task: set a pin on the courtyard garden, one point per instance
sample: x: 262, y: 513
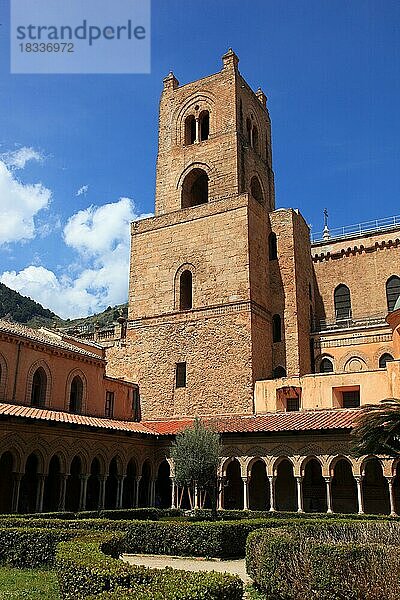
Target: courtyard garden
x: 76, y: 556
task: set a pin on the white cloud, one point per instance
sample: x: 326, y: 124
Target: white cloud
x: 82, y: 190
x: 17, y: 159
x: 19, y: 202
x: 101, y: 238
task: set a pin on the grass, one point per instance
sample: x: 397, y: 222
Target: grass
x: 28, y: 584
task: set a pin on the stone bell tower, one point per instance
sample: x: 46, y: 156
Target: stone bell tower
x: 199, y: 325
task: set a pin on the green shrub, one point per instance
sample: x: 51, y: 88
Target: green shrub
x: 84, y: 570
x: 139, y: 514
x: 29, y: 548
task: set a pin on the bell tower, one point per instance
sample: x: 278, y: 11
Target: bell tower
x: 200, y: 326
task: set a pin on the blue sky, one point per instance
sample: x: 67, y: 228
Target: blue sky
x: 330, y: 70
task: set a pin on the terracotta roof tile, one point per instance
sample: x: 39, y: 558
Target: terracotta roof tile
x: 315, y: 420
x: 30, y: 412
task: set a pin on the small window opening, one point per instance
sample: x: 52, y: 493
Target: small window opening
x: 351, y: 399
x: 180, y: 375
x: 326, y: 366
x: 109, y: 406
x: 255, y: 138
x: 272, y: 246
x: 293, y: 404
x: 249, y: 132
x: 190, y: 130
x: 204, y: 124
x: 279, y: 372
x: 255, y: 190
x: 385, y: 358
x: 342, y: 302
x: 39, y: 385
x: 276, y: 328
x: 195, y: 188
x: 75, y: 399
x: 186, y: 291
x: 392, y: 291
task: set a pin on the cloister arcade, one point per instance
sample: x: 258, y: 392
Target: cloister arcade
x: 312, y: 483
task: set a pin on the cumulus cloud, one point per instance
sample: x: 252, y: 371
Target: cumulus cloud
x: 82, y: 190
x: 20, y: 202
x: 100, y: 236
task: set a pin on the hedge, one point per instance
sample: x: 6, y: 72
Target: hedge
x: 140, y: 514
x: 292, y: 565
x: 84, y: 570
x: 30, y: 548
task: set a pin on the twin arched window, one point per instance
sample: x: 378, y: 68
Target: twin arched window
x: 342, y: 302
x: 197, y: 129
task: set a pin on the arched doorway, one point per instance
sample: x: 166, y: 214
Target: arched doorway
x: 29, y: 486
x: 163, y: 486
x: 344, y: 488
x: 112, y: 485
x: 259, y: 495
x: 314, y: 487
x: 93, y: 486
x: 285, y: 487
x: 233, y: 490
x: 52, y: 486
x: 375, y: 489
x: 144, y: 485
x: 129, y: 495
x: 6, y: 482
x: 73, y: 491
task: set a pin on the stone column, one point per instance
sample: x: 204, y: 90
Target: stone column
x: 328, y: 482
x: 120, y: 491
x: 245, y: 492
x: 102, y: 492
x: 197, y: 130
x: 152, y: 492
x: 300, y: 508
x: 272, y: 480
x: 390, y: 481
x: 63, y: 491
x: 360, y: 496
x: 15, y: 494
x: 173, y: 493
x: 82, y: 498
x: 41, y: 478
x: 137, y: 482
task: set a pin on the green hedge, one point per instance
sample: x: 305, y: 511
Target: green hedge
x: 140, y: 514
x: 84, y: 570
x: 30, y: 548
x: 293, y: 565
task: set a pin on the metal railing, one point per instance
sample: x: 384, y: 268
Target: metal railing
x: 358, y: 229
x: 349, y: 322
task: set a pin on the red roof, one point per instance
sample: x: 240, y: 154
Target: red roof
x: 29, y: 412
x: 271, y: 422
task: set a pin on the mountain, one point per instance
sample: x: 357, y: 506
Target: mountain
x: 23, y: 309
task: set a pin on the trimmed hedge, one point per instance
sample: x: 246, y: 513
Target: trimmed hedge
x: 293, y: 565
x: 30, y: 548
x: 139, y: 514
x: 84, y: 570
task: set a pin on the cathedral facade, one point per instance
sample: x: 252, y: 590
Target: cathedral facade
x: 235, y: 315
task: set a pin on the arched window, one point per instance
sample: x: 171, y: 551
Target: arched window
x: 39, y: 385
x: 186, y: 291
x: 190, y: 130
x: 279, y: 372
x: 204, y: 125
x: 326, y: 366
x: 392, y: 291
x: 272, y: 246
x: 255, y: 138
x: 255, y: 190
x: 276, y: 328
x: 385, y: 358
x: 195, y: 188
x: 342, y: 302
x: 76, y: 395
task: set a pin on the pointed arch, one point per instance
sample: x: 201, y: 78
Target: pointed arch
x: 76, y: 399
x: 3, y: 378
x: 38, y: 389
x: 392, y: 291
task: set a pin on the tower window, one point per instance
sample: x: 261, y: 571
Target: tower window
x: 195, y: 188
x: 249, y: 132
x: 272, y: 246
x: 76, y: 394
x: 204, y: 125
x: 255, y: 138
x: 190, y: 130
x: 385, y: 358
x: 342, y: 302
x: 186, y: 291
x: 276, y: 328
x: 255, y: 190
x: 392, y: 291
x: 109, y: 406
x: 326, y: 366
x: 39, y: 386
x: 180, y: 375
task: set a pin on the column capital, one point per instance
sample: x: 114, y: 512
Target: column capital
x: 299, y: 478
x: 246, y: 479
x: 358, y: 478
x: 83, y: 477
x: 390, y: 479
x: 328, y: 478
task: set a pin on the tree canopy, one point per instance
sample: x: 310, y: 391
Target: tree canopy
x: 377, y: 430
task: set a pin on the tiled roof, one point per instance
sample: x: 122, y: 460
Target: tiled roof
x: 44, y: 336
x: 29, y: 412
x: 312, y: 420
